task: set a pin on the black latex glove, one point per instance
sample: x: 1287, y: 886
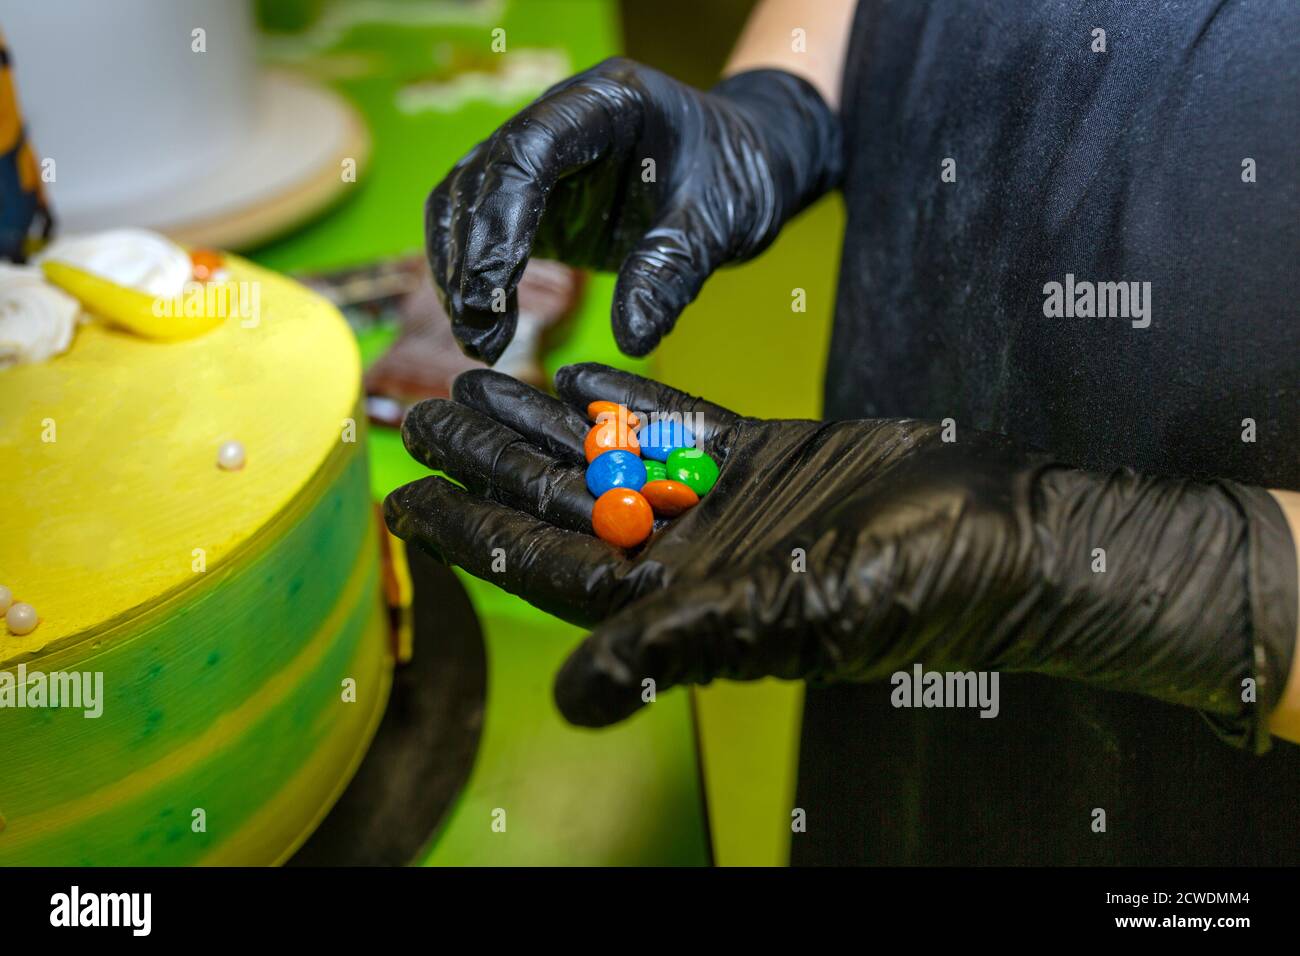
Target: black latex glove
x: 567, y: 178
x: 970, y: 554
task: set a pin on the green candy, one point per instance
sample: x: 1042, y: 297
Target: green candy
x: 694, y: 469
x: 655, y: 470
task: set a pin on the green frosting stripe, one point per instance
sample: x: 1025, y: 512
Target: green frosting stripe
x: 215, y: 705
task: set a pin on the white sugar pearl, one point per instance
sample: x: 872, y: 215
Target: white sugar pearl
x: 6, y: 598
x: 231, y: 456
x: 21, y: 618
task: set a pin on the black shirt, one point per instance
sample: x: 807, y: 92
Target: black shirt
x: 1128, y: 165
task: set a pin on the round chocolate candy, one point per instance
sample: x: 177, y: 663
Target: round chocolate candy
x: 610, y: 435
x: 612, y: 411
x: 622, y: 517
x: 654, y: 470
x: 662, y: 437
x: 615, y: 469
x: 694, y: 469
x: 669, y: 498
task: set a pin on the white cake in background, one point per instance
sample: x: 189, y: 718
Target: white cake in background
x: 115, y: 95
x: 146, y: 130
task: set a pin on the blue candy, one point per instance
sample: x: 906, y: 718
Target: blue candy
x: 663, y: 436
x: 615, y: 469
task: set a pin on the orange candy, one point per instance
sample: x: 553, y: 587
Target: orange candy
x: 669, y: 498
x: 205, y: 263
x: 622, y: 517
x: 609, y: 435
x: 612, y: 411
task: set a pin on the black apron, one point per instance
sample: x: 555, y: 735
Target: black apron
x: 1072, y: 165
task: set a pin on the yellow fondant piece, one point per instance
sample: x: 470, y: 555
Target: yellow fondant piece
x: 201, y: 309
x: 108, y: 455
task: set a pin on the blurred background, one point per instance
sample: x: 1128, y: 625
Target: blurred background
x: 308, y: 143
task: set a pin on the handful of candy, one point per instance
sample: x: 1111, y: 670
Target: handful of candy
x: 637, y: 473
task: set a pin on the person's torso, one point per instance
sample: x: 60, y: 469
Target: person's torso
x: 1095, y: 251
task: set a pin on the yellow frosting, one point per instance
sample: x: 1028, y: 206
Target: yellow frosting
x: 106, y: 517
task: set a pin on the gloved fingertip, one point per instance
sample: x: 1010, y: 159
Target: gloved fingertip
x: 485, y: 340
x: 470, y: 386
x: 565, y: 378
x: 401, y: 508
x: 595, y: 689
x: 395, y: 511
x: 570, y: 384
x: 640, y: 322
x: 416, y: 424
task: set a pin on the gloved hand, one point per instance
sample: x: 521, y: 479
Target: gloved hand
x: 850, y: 550
x: 571, y: 178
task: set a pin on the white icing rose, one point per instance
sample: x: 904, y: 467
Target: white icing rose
x: 36, y: 319
x: 135, y: 258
